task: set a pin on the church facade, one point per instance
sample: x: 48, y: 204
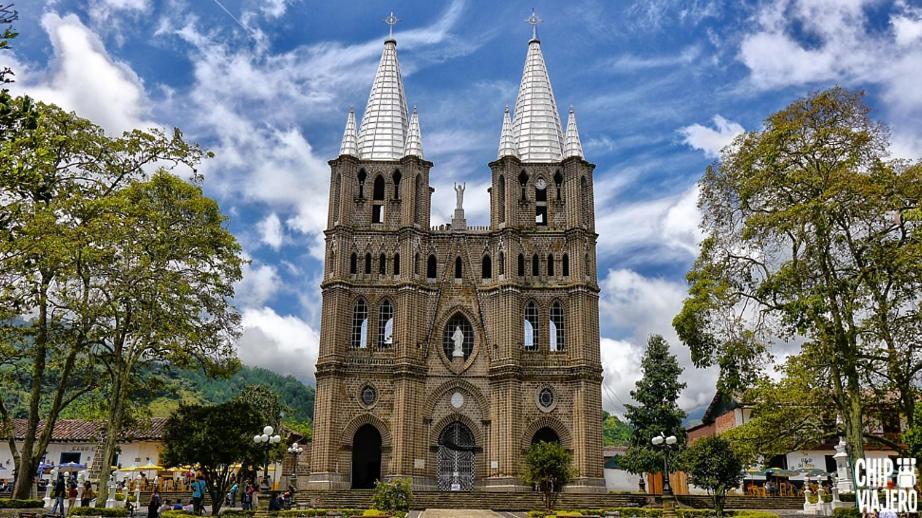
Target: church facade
x: 446, y: 351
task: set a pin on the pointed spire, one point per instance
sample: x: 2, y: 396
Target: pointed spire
x: 414, y: 137
x: 573, y: 146
x: 350, y: 139
x: 536, y: 125
x: 506, y: 139
x: 382, y: 135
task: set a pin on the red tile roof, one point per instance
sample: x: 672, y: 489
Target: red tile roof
x: 79, y: 430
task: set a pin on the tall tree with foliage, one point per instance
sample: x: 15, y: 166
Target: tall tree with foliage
x: 214, y: 438
x: 549, y: 467
x: 913, y: 437
x: 712, y: 464
x: 56, y: 170
x: 811, y: 232
x: 165, y: 280
x: 657, y: 411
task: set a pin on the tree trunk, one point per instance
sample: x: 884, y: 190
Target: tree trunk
x: 113, y: 430
x: 25, y: 468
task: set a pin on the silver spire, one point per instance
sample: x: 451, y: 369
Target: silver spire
x: 506, y: 139
x: 382, y: 135
x: 414, y: 137
x: 536, y: 125
x: 350, y: 140
x: 573, y: 146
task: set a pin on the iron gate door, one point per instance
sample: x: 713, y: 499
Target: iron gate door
x: 456, y: 458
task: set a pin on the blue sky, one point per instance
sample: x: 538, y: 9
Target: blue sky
x: 659, y: 86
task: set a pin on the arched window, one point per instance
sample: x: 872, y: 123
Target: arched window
x: 550, y: 265
x: 540, y: 202
x: 486, y: 268
x: 457, y: 267
x: 416, y: 264
x: 361, y: 177
x: 558, y: 182
x: 337, y: 181
x: 367, y: 263
x: 523, y: 181
x: 521, y: 265
x: 332, y: 262
x: 458, y: 338
x: 584, y: 201
x: 354, y: 263
x: 382, y: 264
x: 417, y: 198
x: 587, y: 265
x: 556, y: 332
x: 431, y: 267
x: 397, y: 177
x: 378, y: 192
x: 535, y: 269
x: 360, y: 324
x: 396, y: 264
x: 565, y: 266
x: 501, y: 198
x: 531, y: 326
x: 502, y: 263
x: 385, y: 324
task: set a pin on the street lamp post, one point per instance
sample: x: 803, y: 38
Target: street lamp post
x: 295, y: 450
x: 266, y: 439
x: 666, y: 442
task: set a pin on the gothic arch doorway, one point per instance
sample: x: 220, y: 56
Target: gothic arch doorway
x: 366, y: 457
x: 546, y: 434
x: 456, y: 458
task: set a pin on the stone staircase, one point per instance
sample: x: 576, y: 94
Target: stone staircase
x: 522, y: 501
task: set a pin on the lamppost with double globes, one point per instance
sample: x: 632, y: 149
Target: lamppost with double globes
x: 666, y: 442
x: 295, y: 449
x: 267, y: 439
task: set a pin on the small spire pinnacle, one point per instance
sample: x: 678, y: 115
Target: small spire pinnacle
x: 573, y: 146
x: 349, y: 145
x: 533, y: 20
x: 507, y: 145
x: 391, y: 21
x: 414, y: 137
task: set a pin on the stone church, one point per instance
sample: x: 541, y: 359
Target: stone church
x: 446, y: 351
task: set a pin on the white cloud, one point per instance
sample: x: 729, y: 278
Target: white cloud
x: 84, y: 78
x: 844, y: 50
x: 711, y: 140
x: 259, y: 284
x: 637, y: 307
x: 669, y: 223
x: 271, y: 231
x: 284, y: 344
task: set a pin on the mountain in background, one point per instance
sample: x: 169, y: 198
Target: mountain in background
x: 693, y: 416
x: 615, y: 432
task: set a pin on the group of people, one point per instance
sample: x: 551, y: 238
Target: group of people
x: 196, y: 504
x: 68, y: 490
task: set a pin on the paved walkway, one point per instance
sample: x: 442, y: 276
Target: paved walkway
x: 458, y: 513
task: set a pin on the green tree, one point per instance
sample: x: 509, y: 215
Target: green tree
x: 615, y: 432
x: 549, y: 467
x: 712, y: 464
x: 166, y: 276
x: 806, y: 237
x: 214, y: 438
x: 396, y: 495
x: 913, y: 436
x: 55, y: 171
x: 657, y: 411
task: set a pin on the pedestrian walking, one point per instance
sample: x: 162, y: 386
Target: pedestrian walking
x: 198, y: 494
x: 153, y: 505
x: 88, y: 494
x: 59, y: 490
x: 233, y: 494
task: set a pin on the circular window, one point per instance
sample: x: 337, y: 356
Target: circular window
x: 458, y: 338
x: 457, y: 400
x: 546, y: 398
x: 369, y: 395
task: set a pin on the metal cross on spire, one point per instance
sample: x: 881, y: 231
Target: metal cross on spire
x: 391, y: 21
x: 533, y: 20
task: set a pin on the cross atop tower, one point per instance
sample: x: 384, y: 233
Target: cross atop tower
x: 533, y: 20
x: 391, y: 21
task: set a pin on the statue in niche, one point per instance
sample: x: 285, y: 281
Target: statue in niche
x: 458, y: 338
x: 459, y: 195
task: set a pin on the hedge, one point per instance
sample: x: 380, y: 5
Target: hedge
x: 846, y: 512
x: 176, y: 514
x: 653, y: 512
x: 12, y: 503
x: 98, y: 511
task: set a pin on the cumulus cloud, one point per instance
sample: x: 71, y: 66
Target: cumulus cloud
x: 635, y: 307
x: 843, y: 48
x: 271, y: 231
x: 281, y: 343
x: 83, y: 77
x: 259, y: 284
x: 711, y: 140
